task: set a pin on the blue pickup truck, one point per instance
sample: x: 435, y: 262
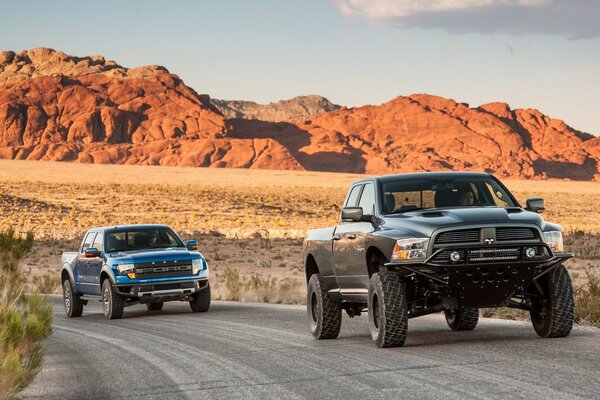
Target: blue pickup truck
x: 134, y: 264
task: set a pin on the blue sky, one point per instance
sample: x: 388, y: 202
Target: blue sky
x: 541, y: 54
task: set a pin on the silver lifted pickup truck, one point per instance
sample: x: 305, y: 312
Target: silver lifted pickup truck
x: 414, y: 244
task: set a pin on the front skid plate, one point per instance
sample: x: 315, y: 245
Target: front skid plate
x: 489, y: 285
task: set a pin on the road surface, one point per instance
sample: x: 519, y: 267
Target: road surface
x: 248, y: 351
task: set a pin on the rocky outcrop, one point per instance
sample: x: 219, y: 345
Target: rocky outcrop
x: 284, y: 110
x: 64, y: 108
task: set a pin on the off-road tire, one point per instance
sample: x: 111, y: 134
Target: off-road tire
x: 388, y: 310
x: 112, y: 302
x: 553, y: 316
x: 201, y: 301
x: 155, y: 306
x: 462, y: 319
x: 71, y: 301
x: 324, y: 313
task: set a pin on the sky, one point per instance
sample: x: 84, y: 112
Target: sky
x: 542, y: 54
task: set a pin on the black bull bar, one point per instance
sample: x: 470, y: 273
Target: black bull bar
x: 482, y: 284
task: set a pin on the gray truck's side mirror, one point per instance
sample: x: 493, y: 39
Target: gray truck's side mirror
x: 353, y: 214
x: 535, y: 205
x: 92, y: 252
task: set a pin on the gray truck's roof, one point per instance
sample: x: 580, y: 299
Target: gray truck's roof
x: 427, y: 175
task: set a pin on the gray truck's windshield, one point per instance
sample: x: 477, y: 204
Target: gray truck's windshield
x: 419, y: 194
x: 139, y: 239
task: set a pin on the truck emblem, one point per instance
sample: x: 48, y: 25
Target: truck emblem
x: 489, y: 241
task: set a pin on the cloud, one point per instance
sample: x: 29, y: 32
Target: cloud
x: 574, y: 19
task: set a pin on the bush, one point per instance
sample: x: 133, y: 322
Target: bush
x: 25, y: 320
x: 587, y: 301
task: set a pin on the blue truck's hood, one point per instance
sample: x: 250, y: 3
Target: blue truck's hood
x: 151, y: 255
x: 423, y: 223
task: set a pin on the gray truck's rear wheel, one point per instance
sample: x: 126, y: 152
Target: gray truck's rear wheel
x: 553, y: 314
x: 72, y: 302
x: 388, y: 311
x: 155, y: 306
x: 201, y: 301
x: 324, y: 314
x: 112, y: 303
x: 462, y: 319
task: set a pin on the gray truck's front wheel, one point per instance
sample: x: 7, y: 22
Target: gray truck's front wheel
x: 201, y: 301
x: 112, y: 302
x: 553, y: 314
x: 462, y: 319
x: 324, y: 314
x: 388, y: 310
x: 72, y: 302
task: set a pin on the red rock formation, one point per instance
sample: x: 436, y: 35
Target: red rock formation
x: 59, y: 107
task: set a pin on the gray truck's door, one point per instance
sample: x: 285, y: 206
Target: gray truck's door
x: 349, y: 242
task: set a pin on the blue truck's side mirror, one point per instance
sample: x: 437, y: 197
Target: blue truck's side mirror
x: 92, y: 252
x: 192, y: 245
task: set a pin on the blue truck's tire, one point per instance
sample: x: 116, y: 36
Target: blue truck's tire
x: 324, y: 314
x: 553, y: 316
x: 71, y: 301
x: 112, y: 303
x: 201, y: 301
x: 462, y: 319
x: 388, y: 309
x: 155, y: 306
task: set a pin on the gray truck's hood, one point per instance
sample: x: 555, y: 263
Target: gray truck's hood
x: 424, y: 223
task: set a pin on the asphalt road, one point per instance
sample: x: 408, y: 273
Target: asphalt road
x: 251, y: 351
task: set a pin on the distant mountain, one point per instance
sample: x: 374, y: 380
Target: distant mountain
x: 86, y: 109
x: 301, y: 106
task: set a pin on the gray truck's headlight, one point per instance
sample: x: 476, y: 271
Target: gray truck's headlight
x: 554, y: 239
x: 410, y: 249
x: 197, y: 266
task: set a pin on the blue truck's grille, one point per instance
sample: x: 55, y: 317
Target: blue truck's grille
x: 163, y: 269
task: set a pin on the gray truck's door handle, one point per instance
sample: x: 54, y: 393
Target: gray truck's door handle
x: 351, y: 236
x: 336, y: 237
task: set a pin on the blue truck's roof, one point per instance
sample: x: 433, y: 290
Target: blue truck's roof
x: 126, y: 227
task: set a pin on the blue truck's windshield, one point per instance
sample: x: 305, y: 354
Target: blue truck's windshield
x: 139, y: 239
x: 419, y: 194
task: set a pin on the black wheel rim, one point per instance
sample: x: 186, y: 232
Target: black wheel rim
x: 375, y: 311
x: 313, y: 306
x: 451, y: 315
x: 67, y: 296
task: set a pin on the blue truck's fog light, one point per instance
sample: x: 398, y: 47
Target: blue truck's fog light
x: 455, y: 256
x: 530, y: 252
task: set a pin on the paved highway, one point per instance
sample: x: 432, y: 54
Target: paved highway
x: 252, y: 351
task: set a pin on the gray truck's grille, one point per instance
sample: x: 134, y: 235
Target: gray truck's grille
x: 461, y: 236
x: 507, y: 234
x: 163, y: 270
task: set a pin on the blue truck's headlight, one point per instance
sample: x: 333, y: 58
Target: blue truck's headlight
x: 554, y: 239
x: 197, y: 266
x: 410, y: 249
x: 127, y: 269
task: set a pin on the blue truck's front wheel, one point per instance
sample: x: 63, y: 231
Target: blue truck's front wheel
x: 201, y: 301
x: 112, y: 302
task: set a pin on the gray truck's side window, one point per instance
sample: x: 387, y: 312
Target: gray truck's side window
x: 99, y: 242
x: 87, y: 242
x: 367, y: 199
x: 353, y: 197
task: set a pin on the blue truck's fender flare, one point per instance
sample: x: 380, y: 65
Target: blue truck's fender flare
x: 67, y: 267
x: 108, y: 271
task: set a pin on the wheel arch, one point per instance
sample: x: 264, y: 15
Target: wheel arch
x: 372, y: 252
x: 310, y: 267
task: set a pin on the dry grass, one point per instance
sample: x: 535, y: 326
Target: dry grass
x: 251, y: 221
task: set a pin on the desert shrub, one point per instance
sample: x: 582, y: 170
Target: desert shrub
x: 25, y: 320
x: 587, y: 301
x: 46, y: 284
x: 233, y: 283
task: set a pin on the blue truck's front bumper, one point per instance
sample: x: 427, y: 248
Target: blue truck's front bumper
x: 168, y: 289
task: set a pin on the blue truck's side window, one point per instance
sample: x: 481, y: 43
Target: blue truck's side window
x: 87, y: 242
x: 99, y: 241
